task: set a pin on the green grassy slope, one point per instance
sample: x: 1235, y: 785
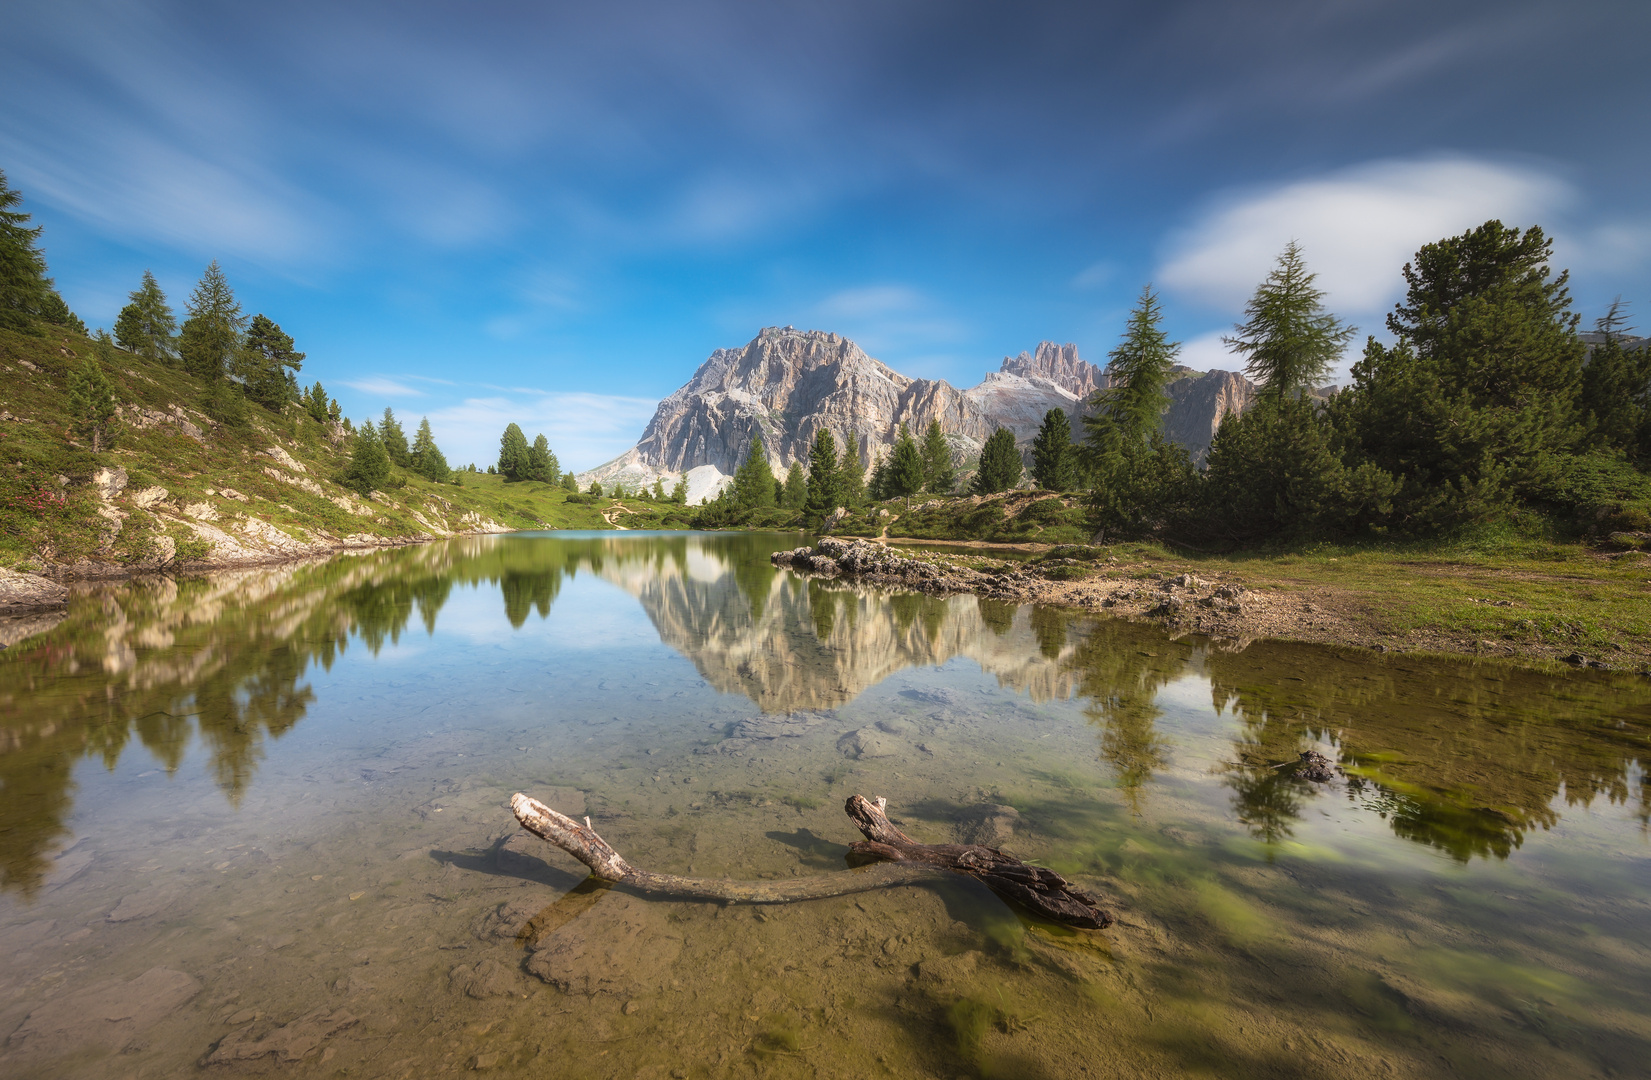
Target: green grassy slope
x: 220, y: 480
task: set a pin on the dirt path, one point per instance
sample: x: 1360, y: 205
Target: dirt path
x: 616, y: 508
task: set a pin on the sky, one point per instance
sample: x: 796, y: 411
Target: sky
x: 551, y: 213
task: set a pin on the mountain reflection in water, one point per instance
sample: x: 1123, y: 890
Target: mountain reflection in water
x: 1463, y: 758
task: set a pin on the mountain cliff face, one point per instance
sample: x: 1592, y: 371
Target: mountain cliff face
x: 787, y: 384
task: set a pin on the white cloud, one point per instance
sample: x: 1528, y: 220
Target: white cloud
x: 869, y: 300
x: 1206, y: 353
x: 377, y: 384
x: 583, y: 429
x: 1357, y: 228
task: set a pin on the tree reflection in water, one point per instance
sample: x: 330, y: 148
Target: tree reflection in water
x: 1460, y: 758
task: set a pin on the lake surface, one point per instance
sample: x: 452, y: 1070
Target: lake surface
x: 258, y: 822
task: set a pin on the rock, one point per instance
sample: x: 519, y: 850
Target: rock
x: 231, y: 493
x: 623, y: 946
x: 20, y: 592
x: 107, y: 1016
x: 201, y: 511
x: 18, y: 628
x: 109, y: 482
x: 287, y: 1043
x: 285, y: 459
x: 1575, y: 659
x: 148, y: 497
x: 868, y: 743
x: 486, y: 978
x: 1314, y: 766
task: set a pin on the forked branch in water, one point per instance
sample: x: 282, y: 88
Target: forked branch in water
x: 903, y: 861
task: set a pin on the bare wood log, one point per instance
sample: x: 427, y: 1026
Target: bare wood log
x: 903, y: 861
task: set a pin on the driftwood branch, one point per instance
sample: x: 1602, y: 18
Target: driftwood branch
x: 901, y: 861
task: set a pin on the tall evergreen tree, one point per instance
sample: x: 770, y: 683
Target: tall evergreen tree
x: 54, y: 311
x: 754, y: 479
x: 146, y: 325
x: 569, y: 482
x: 427, y: 459
x: 212, y: 333
x: 939, y: 475
x: 92, y: 404
x: 905, y: 476
x: 823, y: 478
x: 1000, y: 466
x: 1289, y: 341
x: 268, y: 364
x: 1054, y: 456
x: 1139, y: 370
x: 659, y: 489
x: 541, y: 461
x: 513, y: 452
x: 1615, y: 398
x: 317, y: 404
x: 679, y: 490
x: 394, y: 439
x: 851, y: 482
x: 796, y: 487
x: 369, y: 467
x: 24, y: 285
x: 878, y: 488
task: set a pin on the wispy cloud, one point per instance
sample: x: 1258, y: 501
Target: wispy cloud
x: 383, y: 387
x: 1357, y: 227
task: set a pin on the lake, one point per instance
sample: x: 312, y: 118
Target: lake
x: 258, y: 822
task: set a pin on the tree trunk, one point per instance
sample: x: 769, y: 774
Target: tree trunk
x: 902, y: 861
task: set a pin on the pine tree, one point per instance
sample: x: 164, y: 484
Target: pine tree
x: 369, y: 467
x: 796, y: 487
x: 905, y: 473
x: 427, y: 459
x: 851, y: 476
x: 267, y: 364
x: 541, y: 463
x: 939, y: 475
x: 146, y: 325
x: 1615, y: 397
x: 659, y: 489
x: 1054, y: 457
x: 570, y: 482
x: 754, y: 479
x: 679, y: 490
x: 1000, y: 466
x: 394, y: 439
x: 24, y: 285
x: 316, y: 403
x: 212, y: 333
x: 54, y: 311
x: 513, y: 455
x: 823, y: 478
x: 1289, y: 341
x: 878, y: 489
x: 92, y: 404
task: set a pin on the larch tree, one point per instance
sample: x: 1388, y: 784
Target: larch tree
x: 24, y: 285
x: 212, y: 333
x: 427, y: 458
x: 146, y: 325
x: 1288, y: 341
x: 394, y: 438
x: 939, y: 475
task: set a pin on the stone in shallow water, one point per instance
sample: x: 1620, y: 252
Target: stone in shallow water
x: 109, y: 1015
x: 622, y: 946
x: 868, y: 742
x: 486, y: 978
x: 287, y: 1043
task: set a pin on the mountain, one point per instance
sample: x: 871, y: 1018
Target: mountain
x: 787, y: 384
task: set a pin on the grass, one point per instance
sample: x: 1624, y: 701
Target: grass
x: 48, y: 510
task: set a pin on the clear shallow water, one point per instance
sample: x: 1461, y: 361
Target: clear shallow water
x: 258, y: 823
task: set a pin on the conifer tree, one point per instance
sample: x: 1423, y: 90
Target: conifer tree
x: 1615, y: 398
x: 878, y: 488
x: 1000, y: 466
x: 1054, y: 457
x: 369, y: 467
x: 939, y: 476
x: 1139, y: 369
x: 146, y: 325
x: 427, y: 459
x: 53, y: 310
x: 316, y: 403
x: 394, y: 439
x: 823, y: 478
x: 679, y: 490
x: 541, y: 463
x: 1289, y: 341
x: 659, y: 489
x: 212, y: 333
x: 851, y: 481
x: 796, y: 487
x: 570, y: 482
x: 24, y: 285
x: 267, y: 364
x: 754, y: 479
x: 905, y: 472
x: 92, y: 404
x: 513, y: 455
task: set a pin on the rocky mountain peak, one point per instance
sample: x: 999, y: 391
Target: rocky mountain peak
x: 1061, y: 365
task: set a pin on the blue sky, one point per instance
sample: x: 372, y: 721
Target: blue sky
x: 551, y: 213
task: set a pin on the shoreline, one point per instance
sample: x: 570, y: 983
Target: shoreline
x: 1185, y: 598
